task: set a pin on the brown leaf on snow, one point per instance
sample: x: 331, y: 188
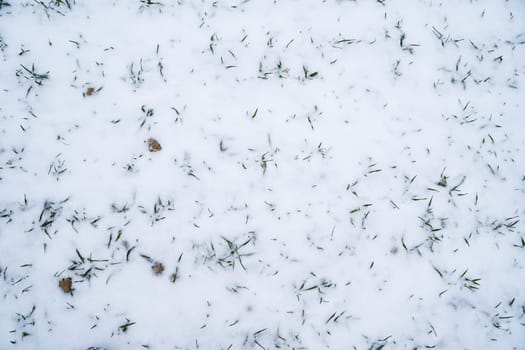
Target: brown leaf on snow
x: 90, y: 91
x: 154, y: 145
x: 158, y: 268
x: 65, y: 284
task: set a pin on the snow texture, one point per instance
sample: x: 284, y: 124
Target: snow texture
x: 262, y: 174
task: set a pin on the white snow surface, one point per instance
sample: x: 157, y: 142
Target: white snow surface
x: 333, y: 174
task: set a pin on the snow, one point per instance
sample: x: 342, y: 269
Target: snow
x: 332, y: 174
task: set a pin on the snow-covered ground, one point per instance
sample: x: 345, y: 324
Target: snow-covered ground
x: 262, y: 174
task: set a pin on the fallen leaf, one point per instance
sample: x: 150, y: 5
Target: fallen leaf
x: 65, y: 284
x: 158, y: 268
x: 154, y: 145
x: 90, y: 91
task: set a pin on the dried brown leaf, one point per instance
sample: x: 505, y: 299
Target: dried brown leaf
x: 66, y: 284
x: 158, y: 268
x: 90, y: 91
x: 154, y: 145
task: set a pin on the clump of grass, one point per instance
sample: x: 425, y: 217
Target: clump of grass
x: 4, y: 3
x: 159, y: 208
x: 149, y: 3
x: 25, y: 322
x: 124, y: 327
x: 31, y: 76
x: 229, y: 252
x: 86, y: 267
x: 49, y: 214
x: 308, y: 74
x: 147, y: 114
x: 234, y: 253
x: 57, y: 167
x: 136, y: 76
x: 56, y: 6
